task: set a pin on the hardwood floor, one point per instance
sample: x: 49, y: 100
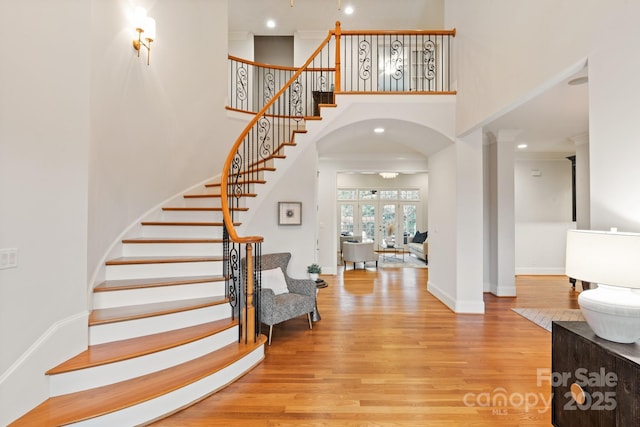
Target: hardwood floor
x: 388, y: 353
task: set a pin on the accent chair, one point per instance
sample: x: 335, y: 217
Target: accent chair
x: 283, y: 300
x: 358, y: 252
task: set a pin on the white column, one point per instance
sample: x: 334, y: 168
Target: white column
x: 456, y: 225
x: 502, y: 223
x: 469, y: 234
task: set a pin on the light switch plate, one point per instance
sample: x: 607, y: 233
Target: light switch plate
x: 8, y: 258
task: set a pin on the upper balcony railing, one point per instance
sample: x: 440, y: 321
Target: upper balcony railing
x: 376, y: 62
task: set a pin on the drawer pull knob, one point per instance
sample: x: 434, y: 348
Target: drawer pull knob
x: 578, y: 394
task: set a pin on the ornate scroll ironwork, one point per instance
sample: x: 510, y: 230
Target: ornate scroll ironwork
x: 242, y: 83
x: 265, y: 145
x: 269, y: 87
x: 321, y: 83
x: 296, y: 99
x: 231, y: 271
x: 364, y: 59
x: 396, y: 60
x: 429, y: 59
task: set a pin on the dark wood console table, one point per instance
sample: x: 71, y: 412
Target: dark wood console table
x: 595, y: 382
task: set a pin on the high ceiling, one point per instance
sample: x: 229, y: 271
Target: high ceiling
x: 546, y: 122
x: 321, y: 15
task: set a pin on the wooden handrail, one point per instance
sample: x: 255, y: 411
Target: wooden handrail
x: 226, y: 213
x: 275, y: 67
x: 262, y: 64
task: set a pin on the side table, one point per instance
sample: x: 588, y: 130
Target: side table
x: 595, y: 382
x: 319, y: 285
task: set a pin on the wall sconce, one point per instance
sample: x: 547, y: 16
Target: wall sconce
x: 146, y: 25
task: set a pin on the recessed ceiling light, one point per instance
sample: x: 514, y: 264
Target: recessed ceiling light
x: 522, y: 146
x: 348, y: 10
x: 378, y: 130
x: 271, y: 23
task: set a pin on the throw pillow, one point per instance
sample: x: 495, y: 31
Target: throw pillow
x: 420, y: 237
x: 274, y: 280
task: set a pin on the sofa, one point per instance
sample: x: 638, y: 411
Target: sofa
x: 419, y: 246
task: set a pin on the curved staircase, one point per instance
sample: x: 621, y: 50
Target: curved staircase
x: 161, y: 333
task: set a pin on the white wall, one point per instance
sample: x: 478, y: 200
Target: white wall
x: 498, y: 36
x: 305, y: 43
x: 495, y: 40
x: 294, y: 181
x: 241, y: 45
x: 44, y: 149
x: 543, y: 209
x: 614, y: 90
x: 443, y: 226
x: 90, y: 139
x: 435, y: 114
x: 161, y: 127
x: 543, y: 190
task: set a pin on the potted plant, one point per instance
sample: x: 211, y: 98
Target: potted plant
x: 314, y: 270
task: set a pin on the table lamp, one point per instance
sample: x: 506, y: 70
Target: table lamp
x: 612, y: 261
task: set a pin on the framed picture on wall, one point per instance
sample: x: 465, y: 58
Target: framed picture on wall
x: 289, y: 213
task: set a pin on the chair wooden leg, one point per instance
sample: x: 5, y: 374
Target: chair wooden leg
x: 309, y: 317
x: 270, y: 331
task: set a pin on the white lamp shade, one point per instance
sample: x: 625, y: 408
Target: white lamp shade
x: 150, y: 29
x: 602, y: 257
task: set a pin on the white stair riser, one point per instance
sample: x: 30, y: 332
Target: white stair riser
x: 157, y: 294
x: 171, y: 402
x: 203, y: 202
x: 198, y: 216
x: 171, y: 249
x: 182, y: 231
x: 174, y: 269
x: 84, y: 379
x: 216, y: 202
x: 99, y: 334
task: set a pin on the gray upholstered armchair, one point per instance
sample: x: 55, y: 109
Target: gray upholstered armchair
x: 299, y: 300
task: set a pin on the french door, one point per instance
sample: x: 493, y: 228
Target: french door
x: 383, y: 216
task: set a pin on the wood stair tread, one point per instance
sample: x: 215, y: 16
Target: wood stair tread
x: 171, y: 240
x: 161, y: 260
x: 127, y: 284
x: 185, y: 223
x: 197, y: 209
x: 74, y: 407
x: 119, y: 314
x: 102, y: 354
x: 206, y: 196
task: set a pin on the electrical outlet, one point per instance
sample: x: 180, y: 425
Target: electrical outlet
x: 8, y: 258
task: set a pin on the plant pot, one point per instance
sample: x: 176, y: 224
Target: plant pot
x: 313, y: 276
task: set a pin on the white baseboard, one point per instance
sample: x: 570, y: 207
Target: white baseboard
x: 457, y: 306
x: 24, y: 385
x: 540, y: 271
